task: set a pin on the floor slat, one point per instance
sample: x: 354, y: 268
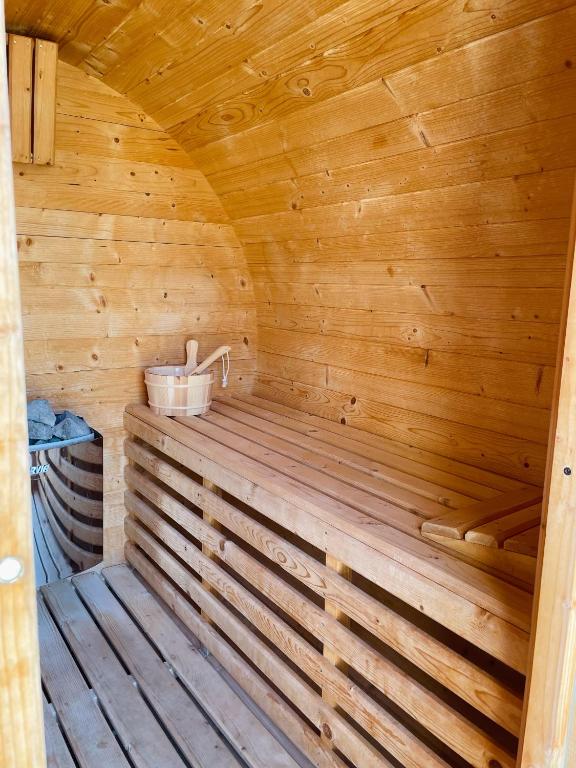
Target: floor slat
x: 85, y: 727
x: 136, y: 727
x: 242, y: 728
x: 198, y: 741
x: 57, y: 752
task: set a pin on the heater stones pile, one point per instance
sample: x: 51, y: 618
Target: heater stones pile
x: 44, y: 424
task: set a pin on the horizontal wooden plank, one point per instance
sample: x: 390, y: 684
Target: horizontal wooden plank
x: 495, y: 533
x: 526, y: 341
x: 31, y: 192
x: 34, y: 221
x: 525, y: 543
x: 102, y: 322
x: 526, y: 198
x: 79, y: 94
x: 66, y: 250
x: 101, y: 139
x: 531, y: 148
x: 201, y: 281
x: 545, y: 237
x: 511, y: 381
x: 52, y: 355
x: 524, y: 272
x: 455, y: 524
x: 455, y: 475
x: 502, y: 304
x: 519, y: 459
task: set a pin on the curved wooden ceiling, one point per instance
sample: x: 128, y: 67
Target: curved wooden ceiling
x: 207, y: 69
x: 399, y: 173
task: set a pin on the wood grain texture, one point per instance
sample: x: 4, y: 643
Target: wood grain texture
x: 353, y: 180
x: 45, y: 71
x: 279, y: 534
x: 125, y: 253
x: 20, y: 83
x: 21, y: 728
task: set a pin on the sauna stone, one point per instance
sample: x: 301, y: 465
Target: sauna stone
x: 71, y: 426
x: 42, y: 412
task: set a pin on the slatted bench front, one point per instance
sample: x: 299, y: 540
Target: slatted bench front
x: 293, y: 550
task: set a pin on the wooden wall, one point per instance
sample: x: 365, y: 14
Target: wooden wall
x: 399, y: 174
x: 403, y: 203
x: 125, y: 252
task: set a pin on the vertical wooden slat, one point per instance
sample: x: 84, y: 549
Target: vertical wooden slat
x: 549, y: 728
x: 21, y: 54
x: 210, y: 486
x: 21, y: 724
x: 45, y: 65
x: 334, y: 610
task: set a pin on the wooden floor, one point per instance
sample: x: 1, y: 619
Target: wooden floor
x: 125, y: 686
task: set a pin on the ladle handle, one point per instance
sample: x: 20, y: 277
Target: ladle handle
x: 210, y: 359
x: 191, y: 355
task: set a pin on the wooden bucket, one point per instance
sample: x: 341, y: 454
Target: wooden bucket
x: 171, y: 393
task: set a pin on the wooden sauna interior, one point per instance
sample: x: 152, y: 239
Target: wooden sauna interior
x: 370, y: 201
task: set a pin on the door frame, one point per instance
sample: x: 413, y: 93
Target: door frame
x: 549, y: 729
x: 21, y: 722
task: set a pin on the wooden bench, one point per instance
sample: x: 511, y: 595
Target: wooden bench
x: 300, y: 540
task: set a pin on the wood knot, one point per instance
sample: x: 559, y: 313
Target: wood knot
x: 327, y: 731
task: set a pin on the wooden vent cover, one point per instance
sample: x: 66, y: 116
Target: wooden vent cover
x: 32, y: 68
